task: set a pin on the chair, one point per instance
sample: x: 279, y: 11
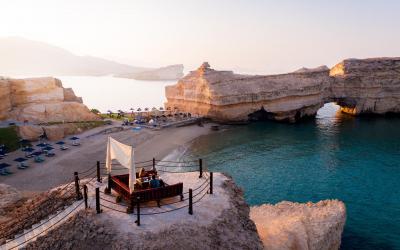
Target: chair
x: 50, y: 154
x: 39, y: 159
x: 5, y: 170
x: 62, y: 147
x: 22, y: 165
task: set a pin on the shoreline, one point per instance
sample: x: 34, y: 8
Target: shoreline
x: 59, y: 169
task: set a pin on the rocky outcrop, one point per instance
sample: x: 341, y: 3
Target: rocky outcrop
x: 358, y: 86
x: 171, y: 72
x: 41, y: 100
x: 5, y: 101
x: 311, y: 226
x: 30, y: 132
x: 8, y: 197
x: 20, y: 214
x: 370, y: 86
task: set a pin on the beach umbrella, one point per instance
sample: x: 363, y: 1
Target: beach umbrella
x: 139, y: 109
x: 60, y: 143
x: 42, y: 145
x: 48, y: 148
x: 4, y: 165
x: 74, y: 138
x: 20, y: 159
x: 29, y: 150
x: 37, y: 153
x: 22, y: 143
x: 146, y: 109
x: 161, y: 108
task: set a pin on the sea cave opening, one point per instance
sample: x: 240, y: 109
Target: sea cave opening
x: 329, y: 110
x: 260, y: 115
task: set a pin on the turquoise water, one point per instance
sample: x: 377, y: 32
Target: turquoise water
x: 356, y: 160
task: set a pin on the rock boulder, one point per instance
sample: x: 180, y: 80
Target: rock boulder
x: 309, y: 226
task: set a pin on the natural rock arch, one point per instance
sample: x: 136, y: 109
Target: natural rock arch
x: 358, y: 86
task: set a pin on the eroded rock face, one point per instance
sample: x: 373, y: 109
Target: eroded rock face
x: 30, y: 132
x: 359, y: 86
x: 367, y: 86
x: 5, y: 101
x: 311, y: 226
x: 40, y: 100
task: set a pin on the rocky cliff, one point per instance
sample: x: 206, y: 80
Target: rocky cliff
x: 289, y: 225
x: 38, y: 101
x: 358, y: 86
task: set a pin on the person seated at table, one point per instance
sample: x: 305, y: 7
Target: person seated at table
x: 154, y: 183
x: 142, y: 173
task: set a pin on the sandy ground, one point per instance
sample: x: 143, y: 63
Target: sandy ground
x: 59, y: 169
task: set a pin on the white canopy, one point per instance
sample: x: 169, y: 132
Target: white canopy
x: 124, y: 155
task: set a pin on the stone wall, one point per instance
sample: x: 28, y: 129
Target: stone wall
x: 359, y: 86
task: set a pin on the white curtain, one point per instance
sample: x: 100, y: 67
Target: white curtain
x: 124, y: 155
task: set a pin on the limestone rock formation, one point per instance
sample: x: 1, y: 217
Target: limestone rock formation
x: 5, y: 101
x: 8, y: 196
x: 30, y: 132
x: 310, y: 226
x: 358, y: 86
x: 367, y: 86
x: 40, y: 100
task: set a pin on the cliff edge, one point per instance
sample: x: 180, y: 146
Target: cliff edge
x: 369, y: 86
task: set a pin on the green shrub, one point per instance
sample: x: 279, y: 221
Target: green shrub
x: 95, y: 111
x: 9, y: 137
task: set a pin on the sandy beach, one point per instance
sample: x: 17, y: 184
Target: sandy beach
x: 59, y: 169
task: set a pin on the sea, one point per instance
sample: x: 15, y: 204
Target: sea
x: 111, y: 93
x: 334, y: 156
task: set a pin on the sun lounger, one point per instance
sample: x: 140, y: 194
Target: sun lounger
x: 22, y: 165
x: 64, y: 147
x: 39, y: 159
x: 8, y: 172
x: 50, y: 154
x: 76, y: 143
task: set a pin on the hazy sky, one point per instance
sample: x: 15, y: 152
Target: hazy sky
x: 252, y: 35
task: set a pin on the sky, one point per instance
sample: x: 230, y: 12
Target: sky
x: 245, y: 36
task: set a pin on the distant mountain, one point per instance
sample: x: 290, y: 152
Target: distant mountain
x: 171, y: 72
x: 19, y: 56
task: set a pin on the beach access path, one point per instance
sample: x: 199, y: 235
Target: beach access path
x: 59, y: 169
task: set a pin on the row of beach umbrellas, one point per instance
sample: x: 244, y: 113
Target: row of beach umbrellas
x: 30, y: 150
x: 144, y: 110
